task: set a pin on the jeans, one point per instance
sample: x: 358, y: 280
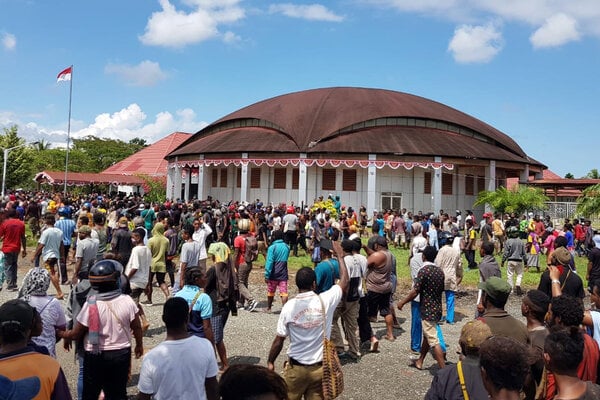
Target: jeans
x: 108, y: 372
x: 470, y: 256
x: 416, y: 330
x: 450, y: 306
x: 10, y: 269
x: 80, y: 376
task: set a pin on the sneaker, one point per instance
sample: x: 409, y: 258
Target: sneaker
x: 251, y: 305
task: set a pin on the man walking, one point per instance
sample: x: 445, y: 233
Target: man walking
x: 429, y: 284
x: 276, y: 269
x: 12, y: 234
x: 50, y: 247
x: 183, y: 366
x: 306, y: 319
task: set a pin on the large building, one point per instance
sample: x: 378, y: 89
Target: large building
x: 372, y: 147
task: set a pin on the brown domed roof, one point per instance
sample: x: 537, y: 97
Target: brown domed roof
x: 353, y: 120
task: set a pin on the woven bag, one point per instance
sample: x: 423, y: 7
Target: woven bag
x: 333, y: 377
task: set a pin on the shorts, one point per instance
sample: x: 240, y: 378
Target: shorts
x: 430, y: 332
x: 135, y: 295
x: 218, y: 321
x: 273, y: 285
x: 400, y: 238
x: 262, y: 246
x: 378, y: 302
x: 49, y: 265
x: 160, y: 277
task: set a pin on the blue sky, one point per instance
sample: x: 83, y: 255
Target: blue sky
x: 149, y: 68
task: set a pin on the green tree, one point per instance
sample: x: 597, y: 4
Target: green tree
x: 569, y: 176
x: 155, y: 188
x: 102, y: 153
x: 593, y: 174
x: 138, y: 142
x: 589, y: 202
x: 19, y: 166
x: 517, y: 200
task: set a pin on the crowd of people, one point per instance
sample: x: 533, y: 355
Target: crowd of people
x: 110, y: 252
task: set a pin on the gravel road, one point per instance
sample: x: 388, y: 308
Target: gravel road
x: 383, y: 375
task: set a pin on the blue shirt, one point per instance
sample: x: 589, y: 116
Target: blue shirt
x: 276, y: 265
x: 327, y: 271
x: 202, y: 308
x: 67, y: 226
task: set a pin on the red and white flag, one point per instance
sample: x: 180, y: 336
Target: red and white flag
x: 65, y: 75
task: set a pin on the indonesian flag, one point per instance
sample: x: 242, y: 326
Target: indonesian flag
x: 65, y: 75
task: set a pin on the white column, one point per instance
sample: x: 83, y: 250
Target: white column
x: 371, y: 185
x: 436, y: 188
x: 170, y: 182
x: 188, y: 180
x: 177, y: 186
x: 200, y: 194
x: 302, y: 180
x: 524, y: 175
x: 490, y: 180
x: 244, y: 183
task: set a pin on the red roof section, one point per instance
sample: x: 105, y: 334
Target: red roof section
x: 550, y: 181
x: 150, y: 160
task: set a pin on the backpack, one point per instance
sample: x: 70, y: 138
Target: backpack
x: 251, y: 252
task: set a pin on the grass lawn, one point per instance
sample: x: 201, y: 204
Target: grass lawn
x: 470, y: 279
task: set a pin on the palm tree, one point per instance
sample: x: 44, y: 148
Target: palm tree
x: 517, y: 200
x: 42, y: 145
x: 589, y: 201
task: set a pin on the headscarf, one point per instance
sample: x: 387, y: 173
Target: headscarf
x: 35, y: 283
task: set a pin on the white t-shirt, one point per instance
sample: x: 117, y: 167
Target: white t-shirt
x: 596, y: 320
x: 177, y: 369
x: 301, y: 319
x: 200, y: 236
x: 51, y: 238
x: 141, y: 258
x: 53, y: 316
x: 190, y: 254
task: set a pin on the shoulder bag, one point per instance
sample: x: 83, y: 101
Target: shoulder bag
x: 333, y: 377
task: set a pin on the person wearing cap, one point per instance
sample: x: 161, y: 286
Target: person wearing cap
x: 463, y: 380
x: 567, y: 281
x: 290, y: 229
x: 328, y: 269
x: 486, y: 232
x: 85, y: 253
x: 494, y: 298
x: 121, y: 243
x: 19, y: 361
x: 51, y: 248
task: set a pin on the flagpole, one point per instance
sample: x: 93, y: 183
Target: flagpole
x: 68, y: 132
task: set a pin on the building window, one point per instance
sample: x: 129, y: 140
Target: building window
x: 328, y: 179
x: 238, y: 177
x: 427, y: 183
x: 481, y: 184
x: 279, y: 178
x: 469, y: 185
x: 391, y: 201
x: 215, y: 178
x: 296, y: 178
x: 223, y: 177
x: 349, y: 180
x: 254, y: 178
x: 447, y: 184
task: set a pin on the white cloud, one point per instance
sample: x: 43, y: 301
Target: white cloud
x: 311, y: 12
x: 556, y: 31
x: 230, y: 37
x: 175, y: 28
x: 146, y: 73
x: 125, y: 124
x: 9, y: 41
x: 553, y: 23
x: 475, y: 44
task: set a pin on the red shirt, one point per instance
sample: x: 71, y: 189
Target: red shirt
x: 12, y: 231
x: 239, y: 244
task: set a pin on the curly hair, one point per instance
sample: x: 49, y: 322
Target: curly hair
x: 245, y: 382
x: 568, y: 309
x: 506, y: 362
x: 565, y: 347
